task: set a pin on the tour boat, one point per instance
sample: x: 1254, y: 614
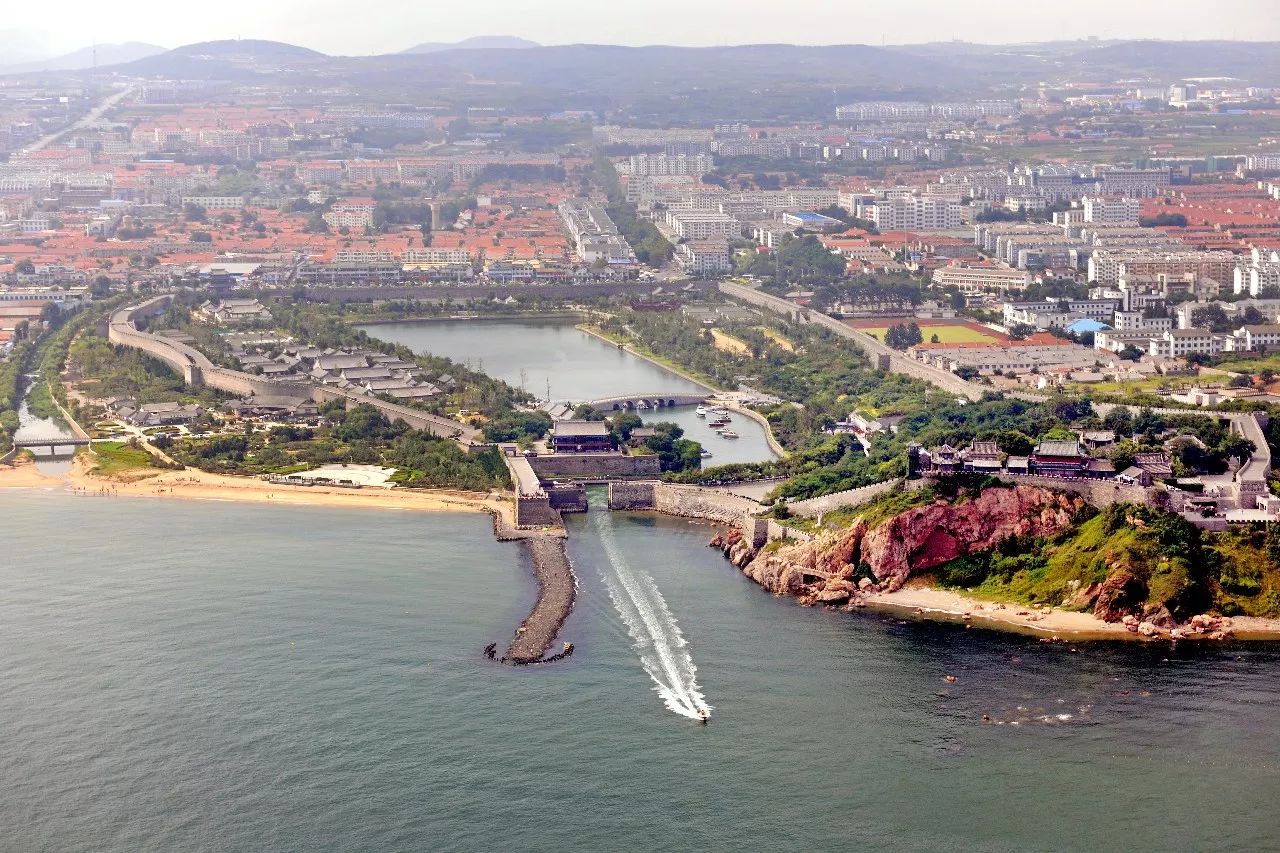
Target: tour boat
x: 728, y: 433
x: 701, y: 411
x: 642, y: 405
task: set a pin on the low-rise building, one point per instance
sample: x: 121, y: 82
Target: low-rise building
x: 1180, y: 343
x: 581, y: 437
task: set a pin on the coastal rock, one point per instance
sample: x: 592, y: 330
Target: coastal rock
x: 830, y: 568
x: 1146, y: 629
x: 836, y: 592
x: 926, y: 537
x: 1120, y: 595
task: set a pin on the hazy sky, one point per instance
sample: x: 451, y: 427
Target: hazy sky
x: 343, y: 27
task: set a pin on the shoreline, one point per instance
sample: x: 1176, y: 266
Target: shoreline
x: 675, y: 371
x: 774, y: 446
x: 192, y: 484
x: 479, y: 318
x: 946, y: 606
x: 919, y: 601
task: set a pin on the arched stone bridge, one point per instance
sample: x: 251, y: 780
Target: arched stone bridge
x: 653, y: 401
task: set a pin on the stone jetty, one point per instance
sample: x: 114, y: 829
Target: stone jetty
x: 557, y: 589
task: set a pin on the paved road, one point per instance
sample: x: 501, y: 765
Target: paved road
x: 91, y: 117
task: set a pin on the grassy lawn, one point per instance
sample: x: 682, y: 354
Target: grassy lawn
x: 115, y: 457
x: 946, y: 334
x: 1251, y: 365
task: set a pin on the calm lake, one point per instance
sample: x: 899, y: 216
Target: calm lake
x: 223, y: 677
x: 576, y: 367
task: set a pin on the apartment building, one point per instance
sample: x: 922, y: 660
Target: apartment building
x: 1137, y: 321
x: 1262, y: 162
x: 1059, y: 314
x: 667, y: 164
x: 1112, y: 211
x: 430, y: 256
x: 1256, y: 273
x: 701, y: 224
x: 351, y: 213
x: 915, y: 213
x: 1136, y: 183
x: 214, y: 202
x: 1108, y: 266
x: 1180, y: 343
x: 704, y: 257
x: 594, y: 234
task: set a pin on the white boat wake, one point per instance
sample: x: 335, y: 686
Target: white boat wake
x: 656, y: 635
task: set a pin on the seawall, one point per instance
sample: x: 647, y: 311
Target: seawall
x: 692, y: 502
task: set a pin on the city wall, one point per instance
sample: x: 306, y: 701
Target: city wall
x: 486, y: 292
x: 197, y: 370
x: 594, y: 466
x: 814, y: 507
x: 873, y: 349
x: 692, y: 502
x: 1099, y: 493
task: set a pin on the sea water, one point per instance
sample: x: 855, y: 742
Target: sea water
x: 214, y: 676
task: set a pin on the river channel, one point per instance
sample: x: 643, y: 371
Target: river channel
x: 32, y: 427
x: 555, y: 357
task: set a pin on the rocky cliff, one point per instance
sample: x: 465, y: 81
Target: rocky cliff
x: 832, y: 568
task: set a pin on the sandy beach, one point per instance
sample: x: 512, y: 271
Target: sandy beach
x: 23, y: 474
x: 943, y: 605
x: 191, y: 484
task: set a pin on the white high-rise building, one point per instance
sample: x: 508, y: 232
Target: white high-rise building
x: 915, y: 213
x: 1112, y: 211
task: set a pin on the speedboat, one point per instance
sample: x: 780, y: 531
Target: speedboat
x: 703, y: 716
x: 706, y: 454
x: 701, y: 411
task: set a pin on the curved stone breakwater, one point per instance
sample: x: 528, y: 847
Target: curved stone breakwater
x: 557, y: 589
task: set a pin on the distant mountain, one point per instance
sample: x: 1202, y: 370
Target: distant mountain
x: 87, y: 57
x: 476, y: 43
x: 229, y: 59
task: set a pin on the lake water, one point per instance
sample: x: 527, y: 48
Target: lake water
x: 223, y: 677
x: 576, y: 366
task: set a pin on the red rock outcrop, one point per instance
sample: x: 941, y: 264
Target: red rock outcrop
x: 929, y: 536
x: 826, y: 570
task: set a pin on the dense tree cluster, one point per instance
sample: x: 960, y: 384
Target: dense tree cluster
x: 903, y: 335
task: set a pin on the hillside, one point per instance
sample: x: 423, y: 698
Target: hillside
x: 228, y: 59
x: 684, y: 84
x: 87, y: 57
x: 474, y: 43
